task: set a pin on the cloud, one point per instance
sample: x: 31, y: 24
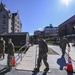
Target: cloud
x: 40, y: 29
x: 31, y: 33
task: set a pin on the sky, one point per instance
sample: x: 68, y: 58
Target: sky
x: 37, y: 14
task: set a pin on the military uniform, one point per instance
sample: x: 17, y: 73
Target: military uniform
x: 2, y: 48
x: 63, y: 44
x: 43, y: 49
x: 10, y: 54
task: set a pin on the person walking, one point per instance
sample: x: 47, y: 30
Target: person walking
x: 2, y: 47
x: 63, y: 43
x: 10, y: 52
x: 43, y: 49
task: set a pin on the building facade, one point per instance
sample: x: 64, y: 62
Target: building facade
x: 17, y: 25
x: 8, y: 23
x: 67, y: 27
x: 50, y: 31
x: 38, y: 33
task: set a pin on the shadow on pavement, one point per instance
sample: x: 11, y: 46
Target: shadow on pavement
x: 35, y: 73
x: 4, y: 70
x: 69, y: 73
x: 62, y: 62
x: 45, y: 73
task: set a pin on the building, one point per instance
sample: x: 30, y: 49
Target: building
x: 17, y: 26
x: 67, y: 27
x: 19, y: 39
x: 9, y: 22
x: 50, y: 31
x: 38, y: 33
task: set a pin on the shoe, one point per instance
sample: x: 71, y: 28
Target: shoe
x: 46, y: 69
x: 36, y: 69
x: 9, y: 69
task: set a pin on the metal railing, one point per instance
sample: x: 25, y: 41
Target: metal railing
x: 67, y: 54
x: 21, y: 52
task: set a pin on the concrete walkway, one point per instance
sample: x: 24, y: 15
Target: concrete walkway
x: 71, y: 52
x: 28, y: 62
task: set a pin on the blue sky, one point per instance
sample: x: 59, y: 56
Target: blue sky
x: 36, y: 14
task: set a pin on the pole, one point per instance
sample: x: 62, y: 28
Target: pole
x: 36, y: 57
x: 68, y: 50
x: 21, y: 55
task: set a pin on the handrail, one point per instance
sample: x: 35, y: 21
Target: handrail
x: 36, y: 56
x: 21, y: 52
x: 70, y: 57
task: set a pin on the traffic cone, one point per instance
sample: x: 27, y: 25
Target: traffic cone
x: 13, y: 61
x: 69, y: 65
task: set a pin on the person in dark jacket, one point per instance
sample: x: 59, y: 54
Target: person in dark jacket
x: 10, y: 53
x: 2, y: 47
x: 63, y: 44
x: 43, y: 49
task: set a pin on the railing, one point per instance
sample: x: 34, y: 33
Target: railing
x: 67, y: 54
x: 36, y: 55
x: 21, y: 53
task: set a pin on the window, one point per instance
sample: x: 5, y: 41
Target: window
x: 4, y: 16
x: 4, y: 27
x: 0, y: 10
x: 4, y: 21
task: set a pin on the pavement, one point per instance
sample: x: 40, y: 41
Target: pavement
x: 25, y: 67
x: 69, y: 50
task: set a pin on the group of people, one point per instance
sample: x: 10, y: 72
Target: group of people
x: 10, y: 51
x: 43, y: 50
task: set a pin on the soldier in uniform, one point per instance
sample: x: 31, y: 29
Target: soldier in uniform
x: 63, y: 43
x: 43, y: 49
x: 10, y: 53
x: 2, y: 47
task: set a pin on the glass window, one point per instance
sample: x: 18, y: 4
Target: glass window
x: 4, y: 21
x: 4, y: 16
x: 0, y: 10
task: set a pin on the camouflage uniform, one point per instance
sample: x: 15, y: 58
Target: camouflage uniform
x: 2, y: 47
x: 10, y: 54
x: 63, y: 44
x: 43, y: 49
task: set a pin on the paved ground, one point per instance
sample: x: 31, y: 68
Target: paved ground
x: 15, y: 72
x: 71, y: 53
x: 55, y: 63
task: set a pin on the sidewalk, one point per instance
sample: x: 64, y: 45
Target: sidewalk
x: 29, y: 60
x: 71, y: 53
